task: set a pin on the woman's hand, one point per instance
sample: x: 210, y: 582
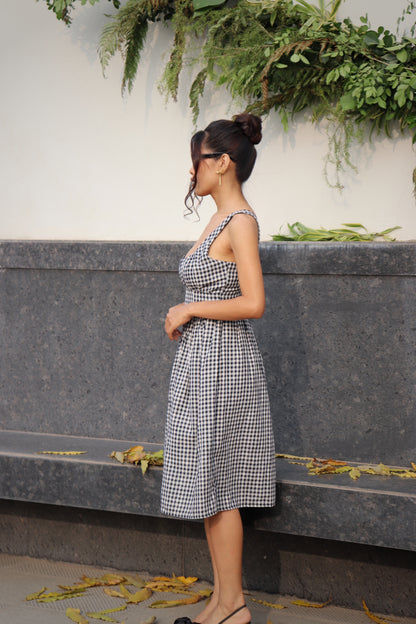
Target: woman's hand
x: 177, y: 316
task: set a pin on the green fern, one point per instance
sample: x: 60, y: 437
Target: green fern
x: 196, y: 92
x: 133, y: 46
x: 126, y: 32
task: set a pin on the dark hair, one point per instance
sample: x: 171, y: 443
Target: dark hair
x: 236, y: 138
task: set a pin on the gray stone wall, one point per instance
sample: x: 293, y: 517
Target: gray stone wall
x: 83, y: 348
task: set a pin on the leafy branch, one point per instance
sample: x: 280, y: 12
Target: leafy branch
x: 280, y: 55
x: 62, y: 8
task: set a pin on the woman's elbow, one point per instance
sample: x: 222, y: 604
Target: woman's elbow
x: 257, y: 309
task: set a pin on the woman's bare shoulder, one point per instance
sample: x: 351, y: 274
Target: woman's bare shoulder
x: 244, y: 221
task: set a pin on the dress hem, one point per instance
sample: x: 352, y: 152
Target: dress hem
x: 222, y: 508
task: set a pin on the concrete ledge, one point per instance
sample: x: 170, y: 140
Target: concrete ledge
x: 284, y: 258
x: 367, y: 511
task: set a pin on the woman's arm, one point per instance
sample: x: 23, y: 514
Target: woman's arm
x: 243, y: 240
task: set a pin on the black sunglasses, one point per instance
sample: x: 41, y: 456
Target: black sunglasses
x: 215, y: 155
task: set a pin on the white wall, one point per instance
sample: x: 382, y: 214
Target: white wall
x: 79, y: 162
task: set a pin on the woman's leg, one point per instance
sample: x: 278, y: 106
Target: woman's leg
x: 225, y: 539
x: 214, y: 597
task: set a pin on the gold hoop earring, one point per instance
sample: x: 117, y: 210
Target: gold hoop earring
x: 220, y: 178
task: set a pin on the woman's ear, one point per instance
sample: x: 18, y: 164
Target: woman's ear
x: 224, y: 163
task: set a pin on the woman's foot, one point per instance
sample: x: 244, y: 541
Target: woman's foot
x: 207, y: 611
x: 220, y: 614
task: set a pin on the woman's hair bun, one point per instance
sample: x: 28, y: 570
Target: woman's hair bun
x: 250, y: 125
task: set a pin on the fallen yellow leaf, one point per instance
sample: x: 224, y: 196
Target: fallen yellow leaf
x: 272, y: 605
x: 332, y: 462
x: 355, y: 473
x: 113, y: 593
x: 125, y: 592
x: 144, y: 465
x: 176, y: 584
x: 54, y: 596
x: 140, y: 596
x: 163, y: 604
x: 118, y: 455
x: 61, y: 452
x: 134, y: 454
x: 381, y: 469
x: 104, y: 618
x: 112, y: 579
x: 162, y: 578
x: 186, y: 580
x: 75, y: 616
x: 36, y: 595
x: 205, y: 593
x: 103, y: 615
x: 136, y: 581
x: 313, y: 605
x: 373, y: 617
x: 150, y: 620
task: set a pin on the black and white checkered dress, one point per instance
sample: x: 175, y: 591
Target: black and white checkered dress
x: 219, y: 447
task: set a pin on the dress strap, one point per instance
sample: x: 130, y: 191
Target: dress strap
x: 210, y: 239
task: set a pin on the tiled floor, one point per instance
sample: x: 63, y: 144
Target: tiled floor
x: 21, y: 576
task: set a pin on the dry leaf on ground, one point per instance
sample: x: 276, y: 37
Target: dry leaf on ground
x: 163, y: 604
x: 355, y: 473
x: 36, y: 595
x: 136, y: 581
x: 137, y: 455
x: 174, y: 584
x: 75, y: 616
x: 305, y: 603
x: 150, y: 620
x: 103, y: 615
x: 140, y: 596
x: 61, y: 452
x: 332, y: 466
x: 272, y: 605
x: 113, y: 593
x: 376, y: 618
x: 55, y: 596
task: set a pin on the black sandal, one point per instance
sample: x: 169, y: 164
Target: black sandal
x: 187, y: 620
x: 233, y: 613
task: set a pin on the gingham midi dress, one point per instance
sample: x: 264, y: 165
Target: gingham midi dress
x: 219, y: 446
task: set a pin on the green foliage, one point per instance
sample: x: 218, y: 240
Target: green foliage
x: 284, y: 55
x: 299, y: 232
x: 62, y: 8
x: 126, y: 33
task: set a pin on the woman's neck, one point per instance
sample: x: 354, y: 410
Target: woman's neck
x: 229, y: 199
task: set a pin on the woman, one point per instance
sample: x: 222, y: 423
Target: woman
x: 219, y: 449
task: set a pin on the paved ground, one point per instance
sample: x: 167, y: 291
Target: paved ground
x: 21, y: 576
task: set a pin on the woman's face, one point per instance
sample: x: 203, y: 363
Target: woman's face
x: 206, y: 174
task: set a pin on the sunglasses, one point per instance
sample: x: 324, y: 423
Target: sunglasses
x: 214, y: 155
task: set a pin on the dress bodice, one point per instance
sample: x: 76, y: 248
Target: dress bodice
x: 207, y: 278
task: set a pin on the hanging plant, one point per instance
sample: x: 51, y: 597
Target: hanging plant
x: 280, y: 55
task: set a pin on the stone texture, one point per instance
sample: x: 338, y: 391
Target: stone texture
x: 85, y: 353
x: 84, y: 350
x: 308, y: 258
x: 340, y: 358
x: 309, y: 568
x: 330, y: 507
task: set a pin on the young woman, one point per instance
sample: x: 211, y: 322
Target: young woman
x: 219, y: 448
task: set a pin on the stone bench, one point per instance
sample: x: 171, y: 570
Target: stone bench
x: 373, y: 510
x: 85, y: 365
